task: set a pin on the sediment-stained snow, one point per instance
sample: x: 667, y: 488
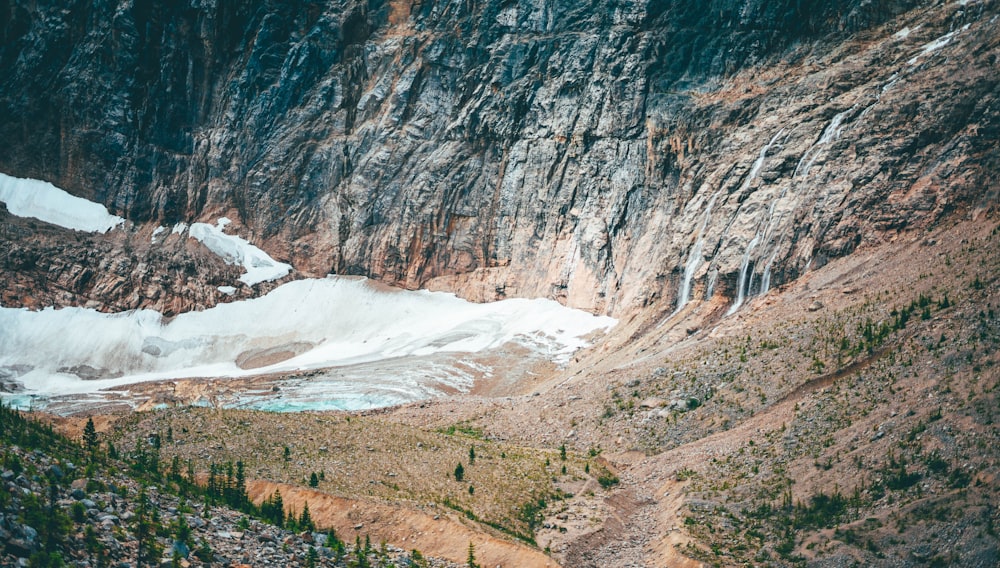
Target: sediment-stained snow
x: 307, y: 324
x: 236, y: 250
x: 43, y: 201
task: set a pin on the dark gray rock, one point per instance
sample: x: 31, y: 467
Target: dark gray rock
x: 20, y: 548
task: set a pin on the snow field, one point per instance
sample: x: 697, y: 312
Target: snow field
x: 43, y: 201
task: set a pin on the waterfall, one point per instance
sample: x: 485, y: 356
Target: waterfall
x: 878, y: 94
x: 830, y: 133
x: 765, y: 281
x: 744, y: 266
x: 694, y: 257
x: 762, y: 227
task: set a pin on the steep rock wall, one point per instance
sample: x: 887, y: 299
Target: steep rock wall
x: 608, y: 154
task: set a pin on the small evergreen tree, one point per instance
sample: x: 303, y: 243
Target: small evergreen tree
x: 314, y: 480
x: 312, y: 558
x: 459, y: 472
x: 240, y: 493
x: 93, y: 545
x: 90, y: 436
x: 305, y: 520
x: 148, y: 551
x: 360, y: 553
x: 472, y: 556
x: 562, y: 452
x: 205, y: 552
x: 272, y: 509
x: 472, y: 454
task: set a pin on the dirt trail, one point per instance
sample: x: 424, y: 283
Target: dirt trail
x: 441, y: 534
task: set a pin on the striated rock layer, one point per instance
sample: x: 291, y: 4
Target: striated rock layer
x: 611, y: 155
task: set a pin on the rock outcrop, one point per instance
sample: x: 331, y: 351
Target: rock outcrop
x: 128, y: 268
x: 608, y: 154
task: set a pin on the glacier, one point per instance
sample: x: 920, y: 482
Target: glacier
x: 346, y: 322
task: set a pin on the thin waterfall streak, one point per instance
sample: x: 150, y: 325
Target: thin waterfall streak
x: 759, y: 162
x: 694, y: 257
x: 741, y: 281
x: 830, y: 134
x: 765, y: 282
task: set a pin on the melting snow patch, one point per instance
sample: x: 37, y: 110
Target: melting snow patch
x: 156, y: 232
x: 179, y: 228
x: 902, y: 34
x: 43, y: 201
x: 235, y: 250
x: 307, y: 324
x: 227, y: 290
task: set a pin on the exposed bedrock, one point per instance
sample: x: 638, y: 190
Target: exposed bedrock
x: 612, y: 155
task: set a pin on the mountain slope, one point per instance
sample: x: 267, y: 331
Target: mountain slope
x: 790, y: 206
x: 610, y: 157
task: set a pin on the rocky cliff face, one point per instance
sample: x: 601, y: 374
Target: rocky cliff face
x: 608, y: 154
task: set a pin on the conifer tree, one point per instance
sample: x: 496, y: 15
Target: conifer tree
x: 360, y: 552
x: 148, y: 551
x: 175, y: 468
x: 305, y: 520
x: 459, y: 472
x: 472, y: 556
x: 241, y: 485
x: 90, y: 436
